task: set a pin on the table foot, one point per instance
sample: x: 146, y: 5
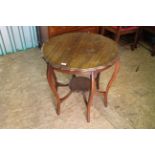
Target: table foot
x: 51, y: 77
x: 53, y: 85
x: 58, y: 109
x: 91, y: 95
x: 113, y: 77
x: 105, y: 99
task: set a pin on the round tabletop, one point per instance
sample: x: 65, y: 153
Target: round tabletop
x: 80, y: 51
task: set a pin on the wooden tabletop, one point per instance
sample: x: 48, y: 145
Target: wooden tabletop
x: 80, y: 51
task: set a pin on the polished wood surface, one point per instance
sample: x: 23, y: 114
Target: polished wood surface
x: 80, y: 51
x: 75, y: 53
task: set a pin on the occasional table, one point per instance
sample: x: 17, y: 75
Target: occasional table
x: 78, y: 53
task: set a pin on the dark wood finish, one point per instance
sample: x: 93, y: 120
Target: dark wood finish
x: 75, y: 53
x: 79, y: 84
x: 97, y: 81
x: 47, y: 32
x: 91, y: 94
x: 80, y: 52
x: 116, y: 69
x: 118, y: 32
x: 57, y: 30
x: 52, y: 80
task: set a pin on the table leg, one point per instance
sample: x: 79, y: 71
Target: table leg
x: 51, y: 77
x: 91, y: 95
x: 116, y: 69
x: 73, y: 76
x: 97, y: 80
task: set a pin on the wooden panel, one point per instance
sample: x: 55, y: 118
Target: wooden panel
x: 56, y: 30
x: 90, y: 29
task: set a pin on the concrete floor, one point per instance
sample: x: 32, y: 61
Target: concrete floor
x: 27, y: 102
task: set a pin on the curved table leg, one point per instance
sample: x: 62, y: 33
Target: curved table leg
x: 116, y: 69
x: 73, y: 76
x: 97, y: 80
x: 51, y: 77
x: 91, y: 95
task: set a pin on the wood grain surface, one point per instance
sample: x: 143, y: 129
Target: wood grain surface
x: 80, y: 51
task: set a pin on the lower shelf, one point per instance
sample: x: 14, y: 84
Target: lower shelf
x: 79, y: 84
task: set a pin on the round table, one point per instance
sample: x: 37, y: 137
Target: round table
x: 78, y: 53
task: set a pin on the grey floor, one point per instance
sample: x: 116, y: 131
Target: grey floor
x: 27, y: 102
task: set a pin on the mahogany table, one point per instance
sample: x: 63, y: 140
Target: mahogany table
x: 78, y: 53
